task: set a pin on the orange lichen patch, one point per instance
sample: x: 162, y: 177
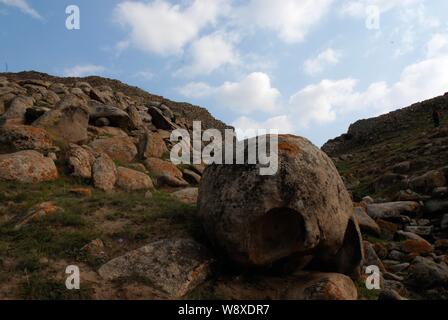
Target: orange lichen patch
x: 83, y: 192
x: 40, y: 211
x: 417, y: 247
x: 288, y: 147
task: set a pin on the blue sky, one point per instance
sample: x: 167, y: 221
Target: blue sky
x: 308, y: 67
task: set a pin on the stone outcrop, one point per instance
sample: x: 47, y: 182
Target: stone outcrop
x: 302, y: 211
x: 173, y: 267
x: 132, y: 180
x: 27, y: 166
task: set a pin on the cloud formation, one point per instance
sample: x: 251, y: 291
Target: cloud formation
x: 326, y: 58
x: 164, y: 28
x: 209, y: 53
x: 23, y: 6
x: 254, y: 93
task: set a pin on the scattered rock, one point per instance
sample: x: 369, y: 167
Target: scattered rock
x: 402, y: 167
x: 419, y: 230
x: 166, y: 172
x: 428, y: 181
x: 95, y: 248
x: 187, y: 195
x: 174, y: 267
x: 68, y: 121
x: 120, y: 149
x: 15, y: 113
x: 104, y: 173
x: 366, y: 223
x: 39, y: 212
x: 116, y: 117
x: 27, y: 167
x: 425, y: 273
x: 152, y: 146
x: 436, y: 206
x: 160, y: 121
x: 80, y: 161
x: 444, y: 222
x: 392, y: 209
x: 388, y: 229
x: 132, y: 180
x: 417, y: 247
x: 300, y: 286
x: 371, y: 258
x: 20, y: 137
x: 83, y: 192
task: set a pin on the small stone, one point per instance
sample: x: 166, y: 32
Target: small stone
x: 83, y: 192
x: 417, y: 247
x: 398, y: 267
x: 366, y: 223
x: 188, y: 195
x: 39, y: 212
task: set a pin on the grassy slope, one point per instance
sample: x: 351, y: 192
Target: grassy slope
x: 33, y: 258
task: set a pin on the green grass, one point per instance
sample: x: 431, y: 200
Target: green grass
x: 364, y: 293
x: 61, y: 236
x: 36, y: 287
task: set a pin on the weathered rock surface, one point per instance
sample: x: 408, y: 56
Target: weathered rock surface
x: 425, y: 273
x: 104, y: 173
x: 392, y: 209
x: 152, y: 146
x: 80, y: 161
x: 187, y: 195
x: 27, y: 166
x: 300, y: 286
x: 120, y: 149
x: 15, y: 113
x: 303, y: 211
x: 366, y: 223
x: 39, y: 212
x: 20, y: 137
x: 68, y: 121
x: 115, y: 116
x: 428, y: 181
x: 166, y: 172
x: 132, y: 180
x: 174, y: 267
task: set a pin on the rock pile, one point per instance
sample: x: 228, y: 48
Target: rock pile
x: 93, y: 132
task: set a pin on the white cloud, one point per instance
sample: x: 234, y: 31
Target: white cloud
x: 163, y: 28
x: 23, y: 6
x: 437, y: 45
x: 210, y: 53
x: 83, y: 70
x: 254, y: 93
x: 316, y: 65
x: 196, y: 90
x: 357, y: 8
x: 292, y: 19
x: 246, y: 127
x: 325, y: 101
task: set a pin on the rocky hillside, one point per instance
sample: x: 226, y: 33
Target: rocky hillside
x: 86, y: 181
x: 396, y: 167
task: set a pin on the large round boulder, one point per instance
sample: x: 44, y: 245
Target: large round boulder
x: 302, y: 214
x: 27, y: 166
